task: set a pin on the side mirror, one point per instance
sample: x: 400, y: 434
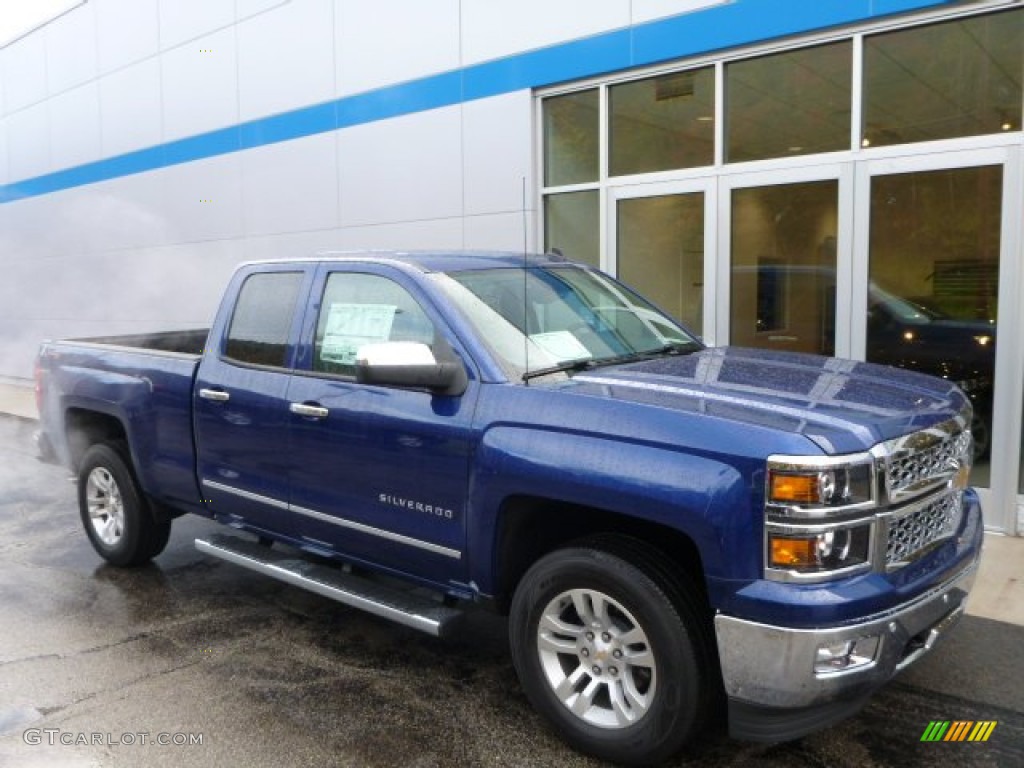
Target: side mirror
x: 409, y: 364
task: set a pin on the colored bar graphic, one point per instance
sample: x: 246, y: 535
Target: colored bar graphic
x: 982, y: 730
x: 959, y: 730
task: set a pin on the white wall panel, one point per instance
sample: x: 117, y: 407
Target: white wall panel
x: 127, y: 31
x: 291, y: 186
x: 75, y: 126
x: 491, y: 30
x: 30, y: 231
x: 28, y: 142
x: 184, y: 20
x: 203, y: 199
x: 499, y: 232
x: 4, y: 171
x: 286, y: 58
x: 24, y: 72
x: 441, y: 234
x: 71, y: 49
x: 648, y: 10
x: 390, y: 41
x: 405, y: 169
x: 120, y: 214
x: 130, y: 108
x: 292, y: 245
x: 21, y: 337
x: 497, y: 145
x: 200, y: 86
x: 246, y: 8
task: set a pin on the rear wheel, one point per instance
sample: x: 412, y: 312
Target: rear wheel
x: 612, y: 652
x: 114, y: 511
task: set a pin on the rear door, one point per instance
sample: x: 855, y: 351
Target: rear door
x: 241, y: 408
x: 378, y: 473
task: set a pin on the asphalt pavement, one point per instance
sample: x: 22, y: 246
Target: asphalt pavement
x: 97, y: 664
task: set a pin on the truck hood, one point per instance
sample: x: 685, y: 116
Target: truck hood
x: 843, y: 406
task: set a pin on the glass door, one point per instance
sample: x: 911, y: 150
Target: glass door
x: 783, y: 283
x: 662, y: 236
x: 937, y: 292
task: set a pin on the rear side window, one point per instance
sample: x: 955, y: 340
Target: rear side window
x: 359, y: 309
x: 262, y: 321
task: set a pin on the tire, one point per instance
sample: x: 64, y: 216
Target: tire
x: 610, y: 645
x: 114, y: 510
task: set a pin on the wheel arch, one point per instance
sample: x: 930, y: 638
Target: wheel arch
x: 85, y: 427
x: 530, y: 527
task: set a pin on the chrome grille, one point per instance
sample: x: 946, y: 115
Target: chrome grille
x: 924, y: 459
x: 911, y: 533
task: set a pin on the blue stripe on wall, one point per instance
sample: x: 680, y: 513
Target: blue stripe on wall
x: 740, y: 22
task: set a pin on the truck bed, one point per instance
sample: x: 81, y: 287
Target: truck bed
x: 135, y: 387
x: 189, y: 342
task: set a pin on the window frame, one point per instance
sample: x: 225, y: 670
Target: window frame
x: 290, y: 345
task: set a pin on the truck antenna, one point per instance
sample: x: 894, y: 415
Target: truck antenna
x: 526, y: 304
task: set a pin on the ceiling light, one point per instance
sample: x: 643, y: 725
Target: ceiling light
x: 866, y: 143
x: 705, y: 118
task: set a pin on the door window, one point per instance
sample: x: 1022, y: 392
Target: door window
x: 262, y: 320
x: 784, y: 267
x: 661, y: 252
x: 360, y: 309
x: 934, y: 275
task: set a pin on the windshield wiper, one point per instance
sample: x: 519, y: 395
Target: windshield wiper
x: 573, y: 366
x: 673, y: 349
x: 566, y: 367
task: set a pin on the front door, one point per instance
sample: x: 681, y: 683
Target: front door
x: 936, y: 287
x: 377, y: 473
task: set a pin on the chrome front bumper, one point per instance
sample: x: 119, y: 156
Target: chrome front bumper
x: 774, y: 667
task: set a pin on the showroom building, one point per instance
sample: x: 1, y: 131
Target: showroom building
x: 840, y: 176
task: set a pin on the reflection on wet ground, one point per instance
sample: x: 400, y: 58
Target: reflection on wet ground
x: 271, y: 675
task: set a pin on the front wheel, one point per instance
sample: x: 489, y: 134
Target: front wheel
x: 114, y: 511
x: 612, y: 653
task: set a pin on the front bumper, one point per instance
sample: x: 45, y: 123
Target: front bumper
x: 771, y: 670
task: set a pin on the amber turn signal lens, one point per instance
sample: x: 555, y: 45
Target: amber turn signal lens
x: 798, y: 489
x: 793, y: 552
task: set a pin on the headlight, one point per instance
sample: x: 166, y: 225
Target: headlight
x: 818, y: 516
x: 818, y: 487
x: 822, y: 552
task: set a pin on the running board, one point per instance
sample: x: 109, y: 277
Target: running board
x: 360, y: 592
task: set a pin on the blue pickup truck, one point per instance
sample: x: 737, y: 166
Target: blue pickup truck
x: 679, y: 534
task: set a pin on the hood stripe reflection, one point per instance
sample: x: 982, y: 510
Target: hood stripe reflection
x: 800, y: 414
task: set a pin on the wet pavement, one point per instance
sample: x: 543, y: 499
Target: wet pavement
x: 95, y: 660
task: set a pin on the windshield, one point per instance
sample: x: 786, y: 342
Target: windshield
x: 537, y: 318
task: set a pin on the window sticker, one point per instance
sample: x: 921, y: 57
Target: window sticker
x: 350, y: 326
x: 562, y: 345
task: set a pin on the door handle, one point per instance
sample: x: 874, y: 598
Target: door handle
x: 214, y: 395
x: 310, y: 411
